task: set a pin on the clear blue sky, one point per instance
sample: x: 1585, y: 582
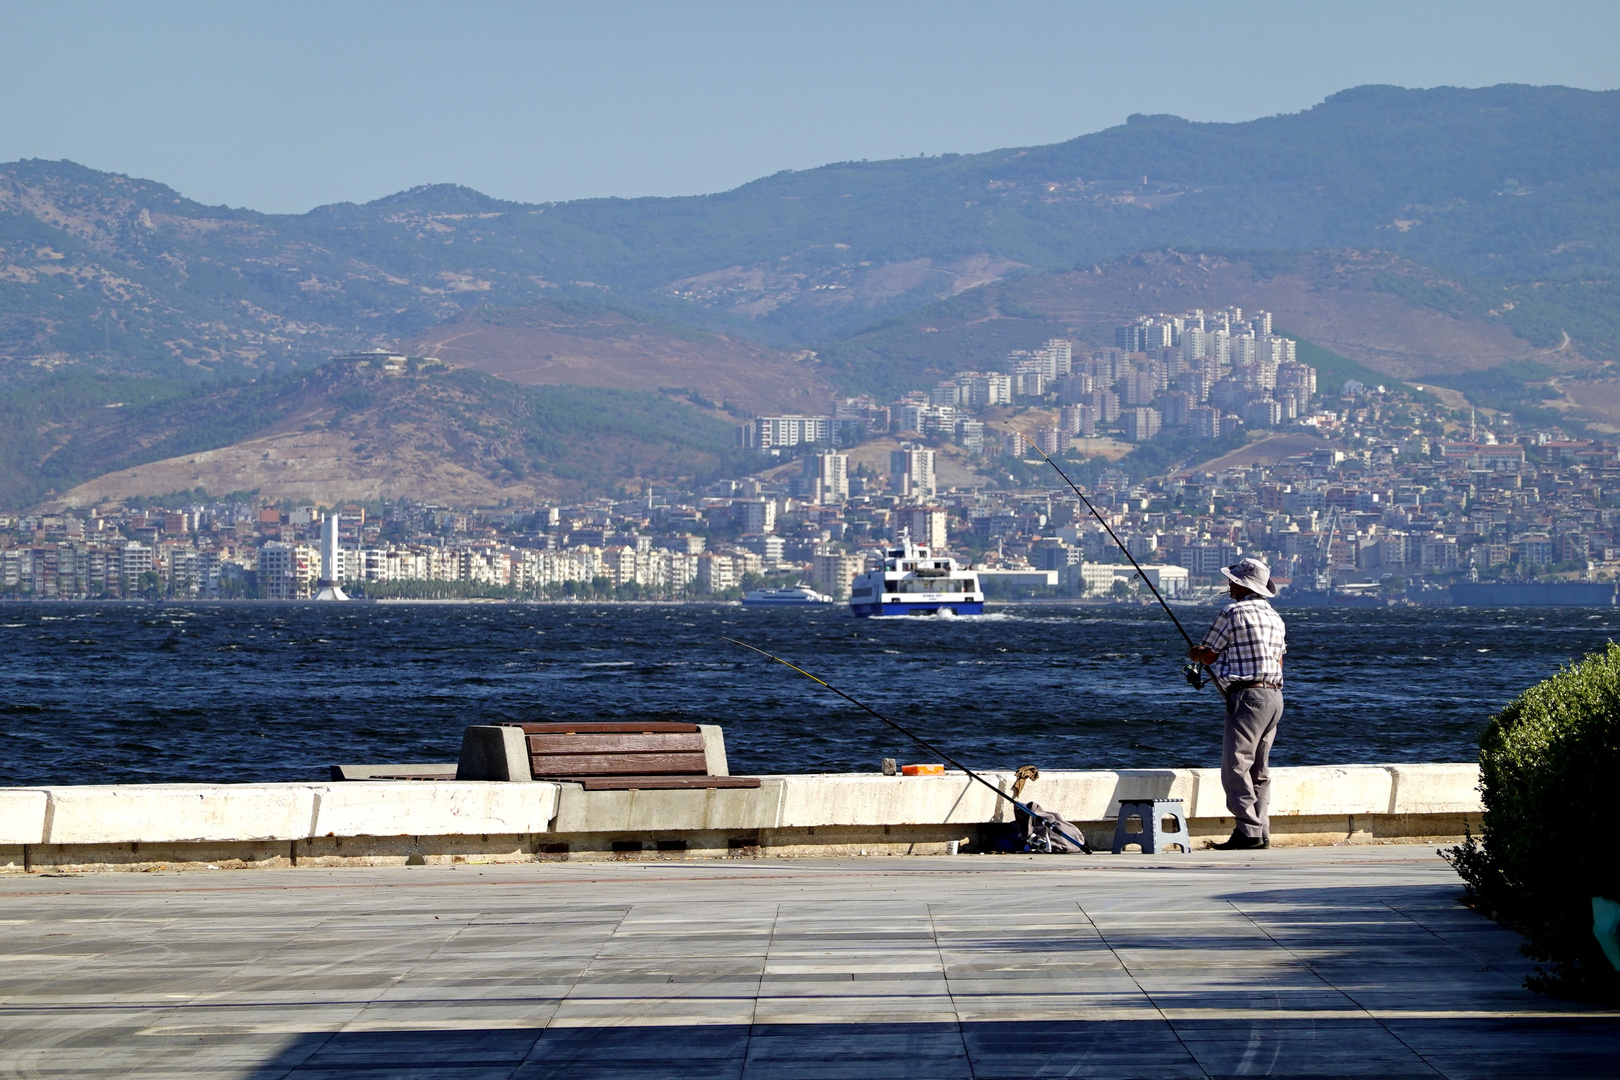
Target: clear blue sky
x: 284, y: 106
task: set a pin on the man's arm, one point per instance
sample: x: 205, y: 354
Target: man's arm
x: 1209, y: 650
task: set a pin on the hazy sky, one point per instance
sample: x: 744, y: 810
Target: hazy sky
x: 284, y: 106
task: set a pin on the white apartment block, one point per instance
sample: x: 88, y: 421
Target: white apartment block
x: 827, y: 477
x: 716, y: 572
x: 927, y: 526
x: 757, y: 515
x: 911, y: 471
x: 772, y: 432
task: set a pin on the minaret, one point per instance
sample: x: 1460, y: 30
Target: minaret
x: 330, y: 589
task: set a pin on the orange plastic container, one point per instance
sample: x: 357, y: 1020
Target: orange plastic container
x: 922, y: 770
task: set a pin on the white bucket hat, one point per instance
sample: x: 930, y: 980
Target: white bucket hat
x: 1252, y: 574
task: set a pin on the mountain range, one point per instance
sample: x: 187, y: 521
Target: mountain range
x: 1435, y: 234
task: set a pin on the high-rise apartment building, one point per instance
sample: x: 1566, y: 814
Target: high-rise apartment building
x: 927, y: 525
x: 1177, y: 407
x: 757, y: 515
x: 1205, y: 421
x: 1141, y: 424
x: 826, y: 476
x: 911, y: 471
x: 287, y: 571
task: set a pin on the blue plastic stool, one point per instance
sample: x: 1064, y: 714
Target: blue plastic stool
x: 1153, y: 836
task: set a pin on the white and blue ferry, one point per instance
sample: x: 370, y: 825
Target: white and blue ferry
x: 911, y: 580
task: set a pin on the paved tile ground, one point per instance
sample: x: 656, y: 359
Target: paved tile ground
x: 1316, y: 962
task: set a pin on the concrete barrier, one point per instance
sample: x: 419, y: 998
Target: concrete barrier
x: 433, y: 808
x: 1434, y: 789
x: 830, y: 799
x: 668, y: 811
x: 379, y: 822
x: 178, y: 813
x: 22, y: 816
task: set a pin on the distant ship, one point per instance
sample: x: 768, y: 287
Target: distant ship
x: 1294, y: 597
x: 909, y: 580
x: 798, y: 596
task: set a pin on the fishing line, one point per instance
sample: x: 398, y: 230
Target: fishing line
x: 1190, y: 671
x: 1078, y: 841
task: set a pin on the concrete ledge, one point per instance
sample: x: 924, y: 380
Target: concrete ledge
x: 22, y: 816
x: 1434, y: 789
x: 386, y: 822
x: 172, y: 813
x: 1095, y: 796
x: 819, y: 799
x: 433, y: 808
x: 1346, y: 789
x: 673, y: 810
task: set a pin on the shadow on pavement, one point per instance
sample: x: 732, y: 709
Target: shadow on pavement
x: 1561, y: 1046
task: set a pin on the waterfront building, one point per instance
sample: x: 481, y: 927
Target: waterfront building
x: 286, y: 571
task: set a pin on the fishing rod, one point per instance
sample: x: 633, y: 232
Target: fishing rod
x: 1079, y: 841
x: 1191, y: 670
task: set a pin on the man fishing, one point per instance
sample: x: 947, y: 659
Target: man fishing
x: 1246, y: 645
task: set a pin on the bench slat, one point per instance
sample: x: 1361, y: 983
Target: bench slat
x: 671, y: 743
x: 654, y: 783
x: 614, y: 728
x: 617, y: 764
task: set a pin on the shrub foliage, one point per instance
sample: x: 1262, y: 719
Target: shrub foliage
x: 1548, y: 764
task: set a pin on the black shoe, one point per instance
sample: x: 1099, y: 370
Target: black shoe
x: 1240, y: 842
x: 1265, y: 841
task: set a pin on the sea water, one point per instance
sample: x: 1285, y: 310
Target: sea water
x: 130, y: 692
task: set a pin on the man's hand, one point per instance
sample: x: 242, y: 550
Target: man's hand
x: 1200, y: 655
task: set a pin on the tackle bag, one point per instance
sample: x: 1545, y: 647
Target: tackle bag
x: 1047, y: 832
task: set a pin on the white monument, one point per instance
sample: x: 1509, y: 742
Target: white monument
x: 331, y: 561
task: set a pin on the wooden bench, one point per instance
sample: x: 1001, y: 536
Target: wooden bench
x: 622, y: 756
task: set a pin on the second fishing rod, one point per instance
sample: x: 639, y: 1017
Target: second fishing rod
x: 1194, y: 671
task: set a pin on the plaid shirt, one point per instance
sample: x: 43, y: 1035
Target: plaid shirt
x: 1249, y: 638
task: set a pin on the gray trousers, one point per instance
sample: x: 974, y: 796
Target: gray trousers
x: 1251, y: 725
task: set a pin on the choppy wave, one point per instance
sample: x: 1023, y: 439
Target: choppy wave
x: 131, y: 692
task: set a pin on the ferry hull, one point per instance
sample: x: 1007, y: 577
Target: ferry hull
x: 956, y: 607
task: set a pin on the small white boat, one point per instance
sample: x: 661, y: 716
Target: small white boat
x: 798, y: 596
x: 909, y: 580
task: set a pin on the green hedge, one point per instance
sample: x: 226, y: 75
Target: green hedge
x: 1549, y: 763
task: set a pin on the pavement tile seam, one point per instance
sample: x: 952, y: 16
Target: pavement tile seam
x: 1344, y: 993
x: 1006, y: 979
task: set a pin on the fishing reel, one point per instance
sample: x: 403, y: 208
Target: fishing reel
x: 1196, y: 675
